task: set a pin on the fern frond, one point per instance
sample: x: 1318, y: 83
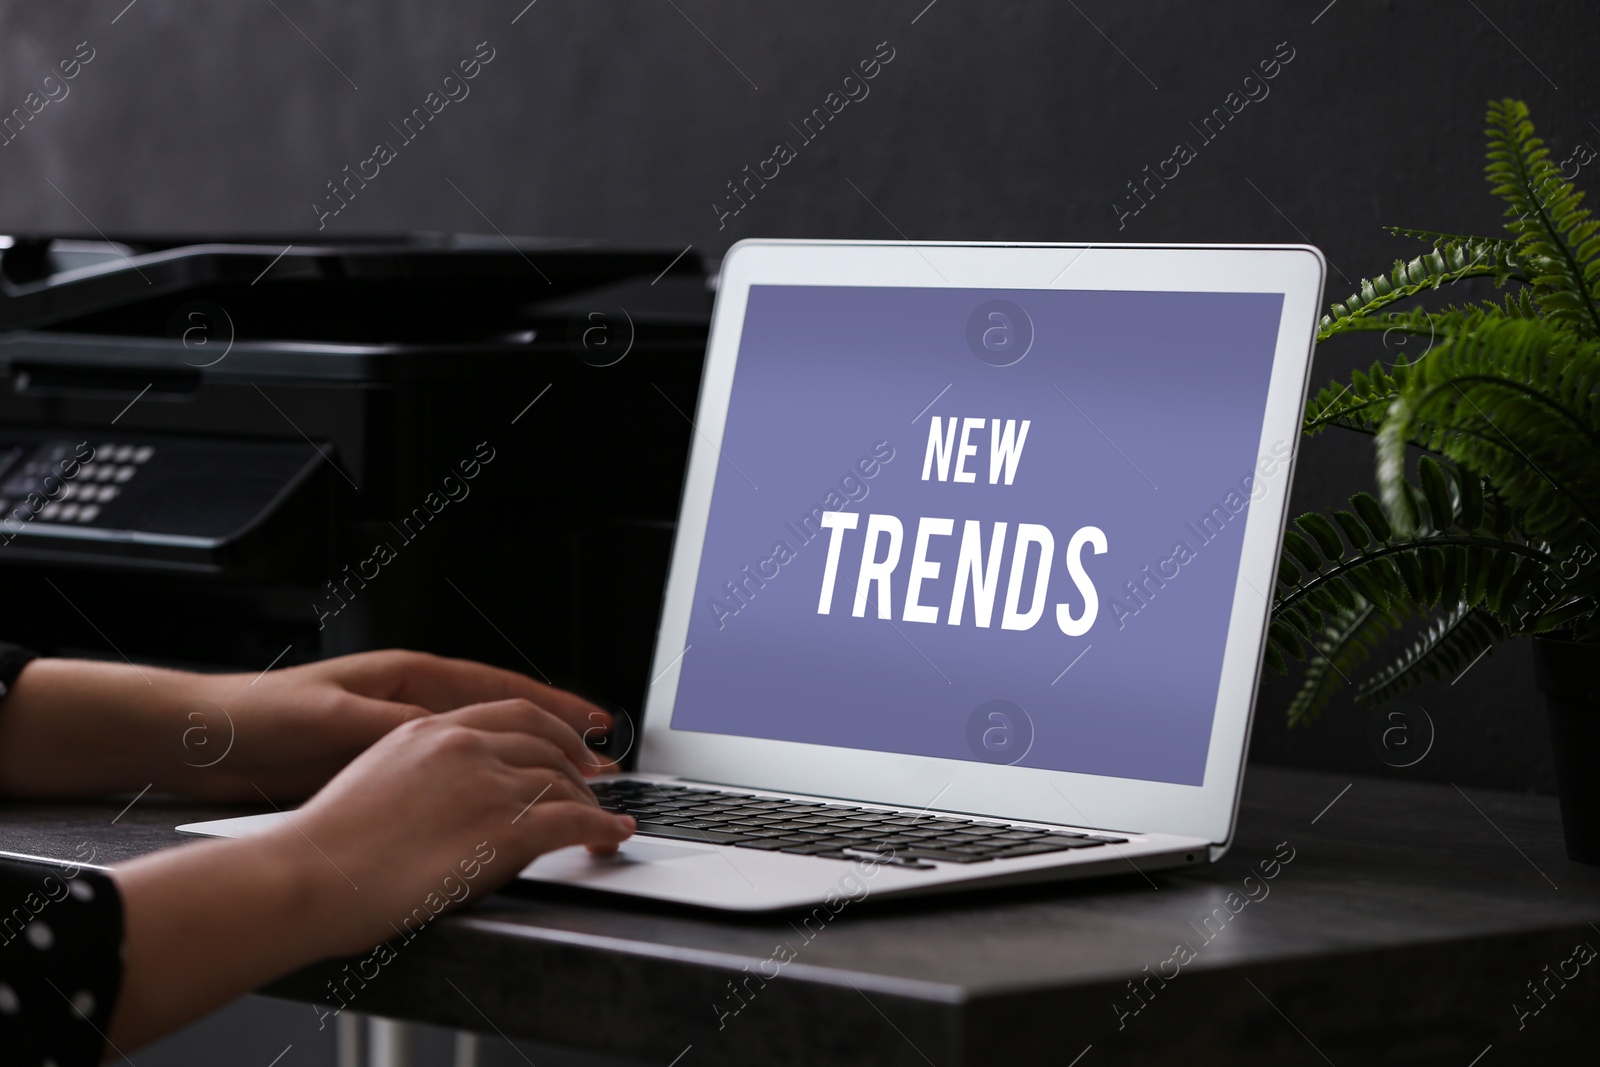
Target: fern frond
x: 1436, y: 323
x: 1348, y: 578
x: 1445, y: 648
x: 1436, y: 237
x: 1345, y: 644
x: 1516, y: 400
x: 1555, y: 238
x: 1449, y: 262
x: 1517, y: 305
x: 1359, y: 404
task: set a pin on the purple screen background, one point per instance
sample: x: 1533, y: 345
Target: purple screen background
x: 1176, y: 384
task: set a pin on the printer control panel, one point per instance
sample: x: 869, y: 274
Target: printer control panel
x: 65, y: 482
x: 168, y: 500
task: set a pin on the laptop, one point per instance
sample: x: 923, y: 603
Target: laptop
x: 972, y: 575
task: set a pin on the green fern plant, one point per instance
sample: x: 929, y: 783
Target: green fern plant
x: 1492, y: 534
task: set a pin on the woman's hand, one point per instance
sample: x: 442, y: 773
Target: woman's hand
x: 294, y: 728
x: 443, y: 809
x: 469, y: 798
x: 75, y: 728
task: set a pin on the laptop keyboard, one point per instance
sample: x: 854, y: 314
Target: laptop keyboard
x: 829, y: 831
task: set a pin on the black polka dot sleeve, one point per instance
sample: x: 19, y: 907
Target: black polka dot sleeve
x: 60, y: 963
x: 12, y: 659
x: 60, y: 950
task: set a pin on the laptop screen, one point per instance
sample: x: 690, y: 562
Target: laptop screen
x: 992, y: 525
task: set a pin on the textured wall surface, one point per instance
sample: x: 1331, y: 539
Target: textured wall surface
x: 627, y: 121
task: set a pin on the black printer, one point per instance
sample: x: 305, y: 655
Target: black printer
x: 237, y: 453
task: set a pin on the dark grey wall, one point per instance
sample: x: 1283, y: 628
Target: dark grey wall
x: 993, y: 120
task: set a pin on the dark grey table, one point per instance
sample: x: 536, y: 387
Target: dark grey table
x: 1413, y: 924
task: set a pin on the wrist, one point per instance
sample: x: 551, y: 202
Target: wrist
x: 207, y: 922
x: 321, y: 893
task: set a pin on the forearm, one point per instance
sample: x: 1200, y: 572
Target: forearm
x: 211, y: 921
x: 79, y: 728
x: 415, y: 822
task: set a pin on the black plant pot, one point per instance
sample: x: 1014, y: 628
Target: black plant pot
x: 1568, y: 675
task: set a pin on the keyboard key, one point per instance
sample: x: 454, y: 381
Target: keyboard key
x: 1046, y: 846
x: 896, y: 861
x: 683, y: 833
x: 940, y: 856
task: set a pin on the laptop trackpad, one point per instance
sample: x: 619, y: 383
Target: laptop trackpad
x: 651, y: 852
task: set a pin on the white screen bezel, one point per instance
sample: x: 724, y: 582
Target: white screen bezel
x: 1205, y: 811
